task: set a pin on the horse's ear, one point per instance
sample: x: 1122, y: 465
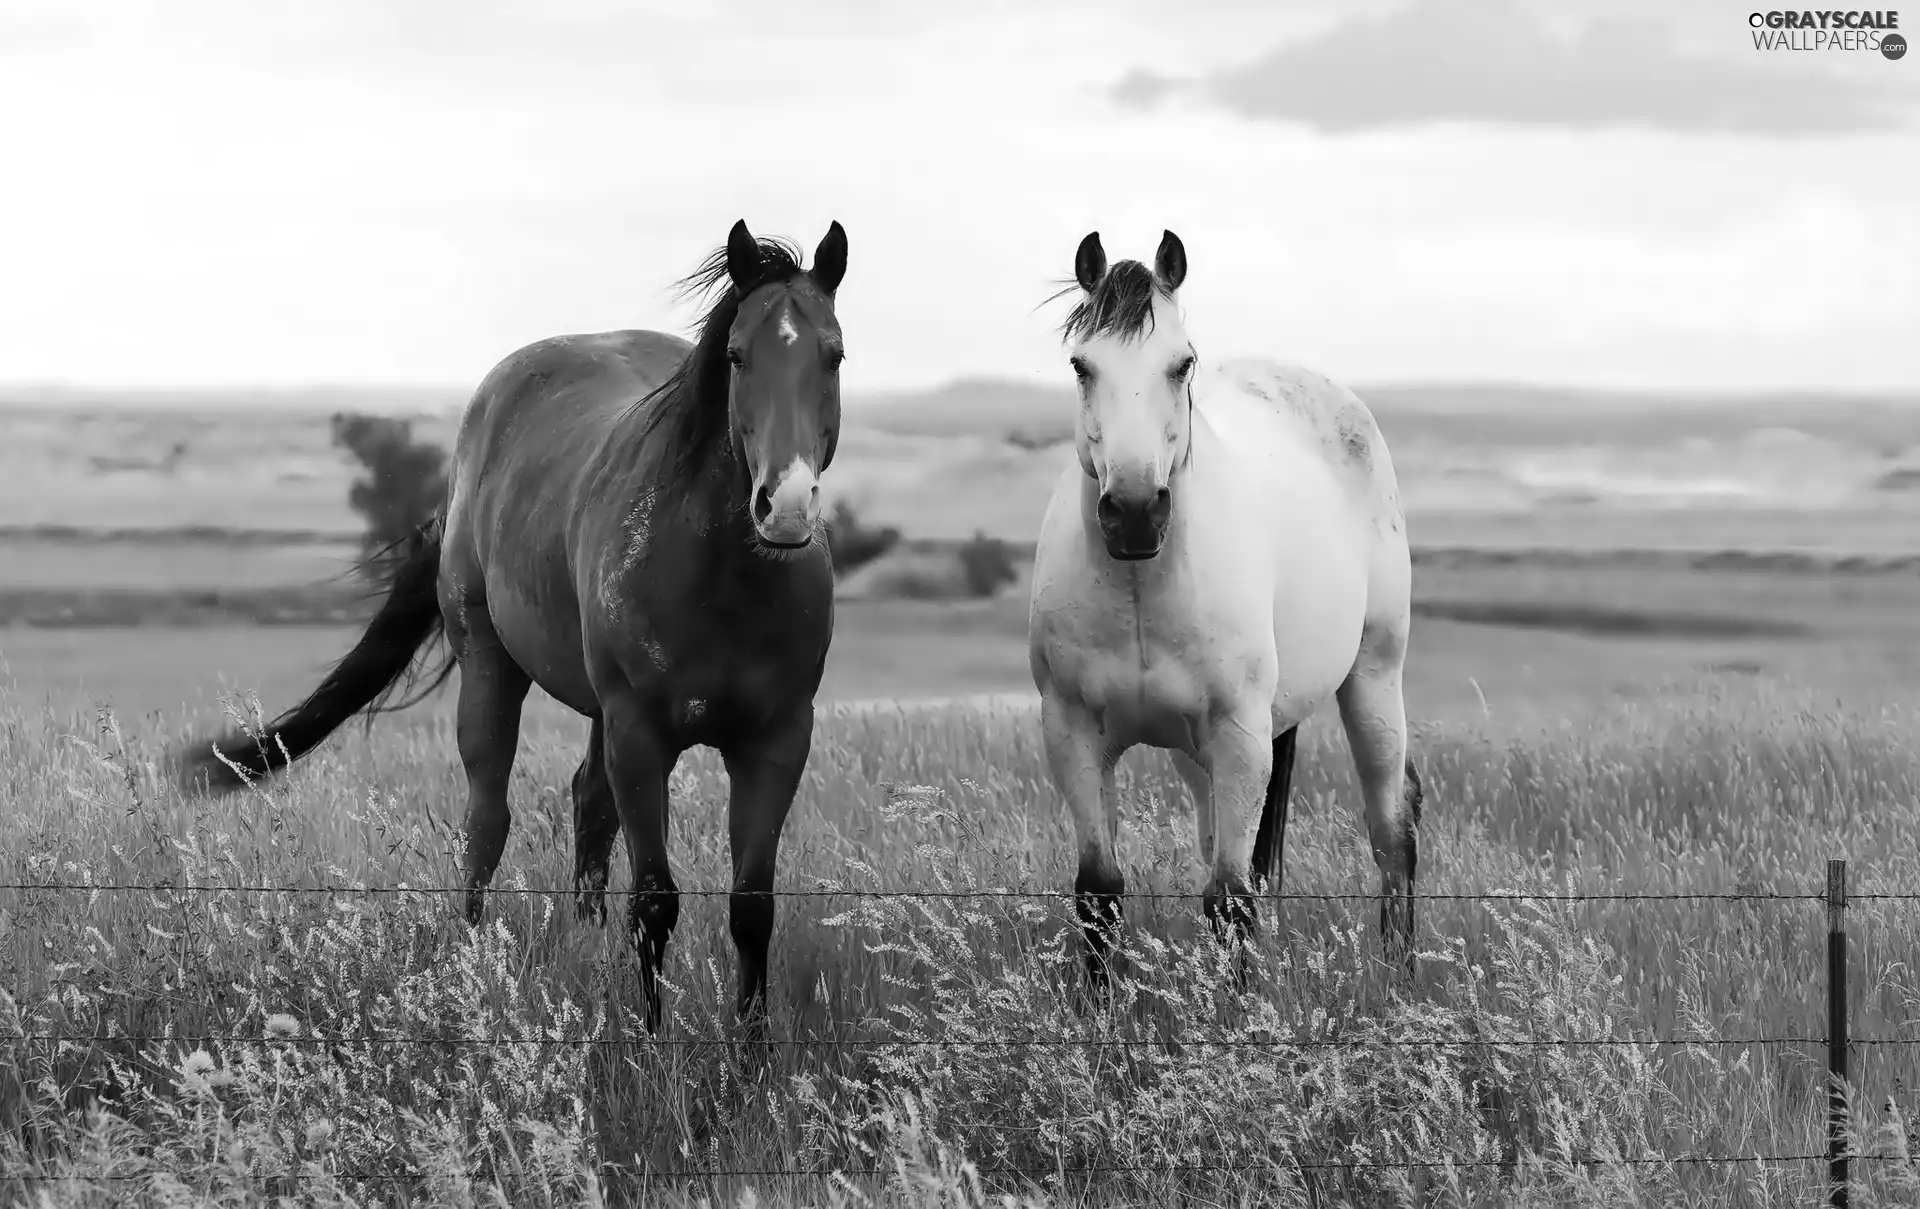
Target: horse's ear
x: 1170, y: 262
x: 830, y: 259
x: 1090, y: 262
x: 743, y: 257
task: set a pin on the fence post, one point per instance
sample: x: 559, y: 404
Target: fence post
x: 1837, y: 1146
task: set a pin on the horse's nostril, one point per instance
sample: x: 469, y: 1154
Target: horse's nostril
x: 1161, y: 506
x: 762, y: 504
x: 1109, y: 511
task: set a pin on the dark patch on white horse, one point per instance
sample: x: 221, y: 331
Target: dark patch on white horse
x: 1355, y: 441
x: 1345, y: 428
x: 1257, y: 387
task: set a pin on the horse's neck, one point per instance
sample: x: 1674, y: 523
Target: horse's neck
x: 717, y: 487
x: 709, y: 491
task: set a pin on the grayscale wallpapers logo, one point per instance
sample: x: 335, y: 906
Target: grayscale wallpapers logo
x: 1829, y: 29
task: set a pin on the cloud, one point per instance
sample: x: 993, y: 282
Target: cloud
x: 1142, y: 89
x: 1489, y: 62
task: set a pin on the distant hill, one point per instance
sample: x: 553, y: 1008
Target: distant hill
x: 1037, y: 413
x: 381, y: 400
x: 990, y: 407
x: 1497, y: 413
x: 1479, y: 464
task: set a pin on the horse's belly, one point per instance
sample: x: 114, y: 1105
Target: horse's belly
x: 544, y: 645
x: 1316, y: 638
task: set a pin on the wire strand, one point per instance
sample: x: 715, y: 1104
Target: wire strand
x: 1094, y: 1169
x: 838, y: 892
x: 953, y: 1043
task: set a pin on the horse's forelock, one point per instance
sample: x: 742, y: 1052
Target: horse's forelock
x: 1120, y: 305
x: 779, y: 261
x: 692, y: 402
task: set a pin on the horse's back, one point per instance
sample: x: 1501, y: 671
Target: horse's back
x: 1274, y: 405
x: 533, y: 426
x: 1303, y: 429
x: 554, y: 393
x: 525, y: 490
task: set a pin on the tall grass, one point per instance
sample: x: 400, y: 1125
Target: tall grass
x: 236, y: 1047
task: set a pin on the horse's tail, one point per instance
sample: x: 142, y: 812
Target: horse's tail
x: 407, y: 620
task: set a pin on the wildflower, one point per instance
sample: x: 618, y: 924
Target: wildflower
x: 320, y: 1135
x: 221, y: 1078
x: 282, y: 1025
x: 199, y: 1062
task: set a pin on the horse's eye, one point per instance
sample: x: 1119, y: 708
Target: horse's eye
x: 1180, y: 371
x: 834, y: 359
x: 735, y: 356
x: 1081, y: 369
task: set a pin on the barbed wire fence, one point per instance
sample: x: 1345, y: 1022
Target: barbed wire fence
x: 1839, y: 1042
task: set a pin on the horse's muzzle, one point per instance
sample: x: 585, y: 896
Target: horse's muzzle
x: 784, y: 515
x: 1134, y: 527
x: 785, y: 532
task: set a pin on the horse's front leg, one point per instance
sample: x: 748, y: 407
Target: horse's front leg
x: 764, y: 774
x: 638, y: 764
x: 1082, y: 764
x: 1238, y: 757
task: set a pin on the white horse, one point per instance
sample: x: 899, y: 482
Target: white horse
x: 1229, y: 552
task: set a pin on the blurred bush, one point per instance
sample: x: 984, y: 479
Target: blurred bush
x: 405, y: 479
x: 852, y: 543
x: 987, y: 564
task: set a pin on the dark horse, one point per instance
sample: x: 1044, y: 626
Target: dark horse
x: 633, y: 524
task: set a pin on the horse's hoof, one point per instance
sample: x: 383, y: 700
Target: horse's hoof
x: 590, y: 895
x: 755, y: 1044
x: 590, y: 907
x: 1096, y: 990
x: 1397, y: 939
x: 652, y: 1007
x: 1231, y: 913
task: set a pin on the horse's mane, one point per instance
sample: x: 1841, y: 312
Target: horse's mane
x: 692, y: 403
x: 1121, y: 304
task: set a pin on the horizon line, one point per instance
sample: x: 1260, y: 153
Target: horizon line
x: 16, y: 394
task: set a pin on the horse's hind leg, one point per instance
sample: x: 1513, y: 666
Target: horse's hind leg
x: 1270, y: 842
x: 596, y: 821
x: 492, y: 689
x: 1375, y: 716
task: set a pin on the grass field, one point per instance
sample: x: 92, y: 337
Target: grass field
x: 1750, y: 796
x: 1623, y: 728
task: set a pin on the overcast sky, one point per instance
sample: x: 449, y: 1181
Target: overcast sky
x: 1600, y: 193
